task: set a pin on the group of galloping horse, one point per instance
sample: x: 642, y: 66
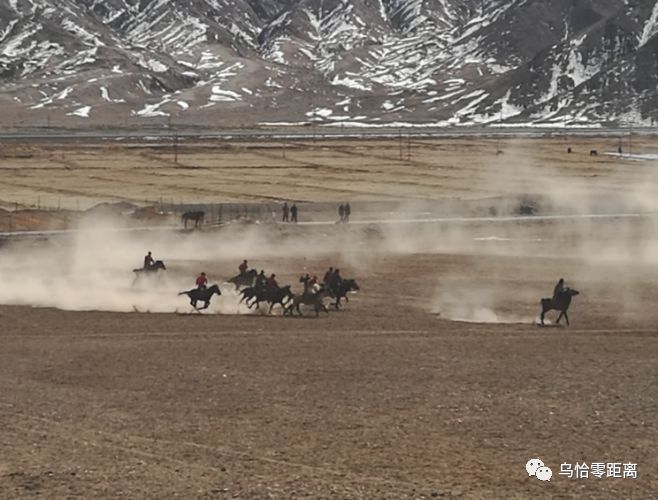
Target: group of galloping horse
x: 253, y: 295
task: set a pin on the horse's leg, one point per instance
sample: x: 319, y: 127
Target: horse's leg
x: 559, y: 317
x: 542, y: 316
x: 567, y: 320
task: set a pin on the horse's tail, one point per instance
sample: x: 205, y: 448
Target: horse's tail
x: 182, y: 293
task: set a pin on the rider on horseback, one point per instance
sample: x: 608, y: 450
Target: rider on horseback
x: 271, y: 282
x: 335, y: 280
x: 559, y: 289
x: 260, y: 280
x: 201, y: 281
x: 305, y: 282
x: 328, y: 276
x: 148, y: 260
x: 313, y: 285
x: 243, y: 268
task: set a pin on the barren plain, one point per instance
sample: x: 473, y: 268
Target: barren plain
x: 434, y: 381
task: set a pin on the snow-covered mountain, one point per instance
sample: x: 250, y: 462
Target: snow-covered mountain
x: 245, y: 62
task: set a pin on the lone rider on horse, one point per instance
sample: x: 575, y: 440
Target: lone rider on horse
x: 201, y: 282
x: 559, y: 289
x: 148, y: 260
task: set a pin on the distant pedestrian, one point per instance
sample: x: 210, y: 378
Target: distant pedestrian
x: 294, y: 213
x: 284, y: 212
x: 346, y: 217
x: 341, y: 212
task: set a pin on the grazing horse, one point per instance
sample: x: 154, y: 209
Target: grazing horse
x: 246, y: 279
x: 196, y: 216
x: 204, y: 295
x: 271, y: 295
x: 341, y: 292
x: 308, y: 299
x: 561, y: 303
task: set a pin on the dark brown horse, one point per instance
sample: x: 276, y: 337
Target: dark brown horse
x: 248, y: 278
x: 196, y: 216
x: 342, y: 290
x: 149, y: 271
x: 204, y: 295
x: 272, y: 295
x: 308, y: 299
x: 561, y: 303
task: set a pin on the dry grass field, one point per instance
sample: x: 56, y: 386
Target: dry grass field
x: 79, y: 175
x: 432, y: 382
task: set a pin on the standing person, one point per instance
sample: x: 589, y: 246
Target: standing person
x: 148, y: 261
x: 341, y: 213
x: 201, y: 282
x: 294, y: 213
x: 284, y: 212
x: 347, y: 213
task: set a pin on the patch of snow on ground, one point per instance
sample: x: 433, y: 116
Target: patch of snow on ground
x: 81, y: 112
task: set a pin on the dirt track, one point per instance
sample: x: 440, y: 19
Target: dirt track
x: 384, y: 399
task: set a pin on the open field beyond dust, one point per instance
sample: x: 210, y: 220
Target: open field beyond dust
x: 432, y: 382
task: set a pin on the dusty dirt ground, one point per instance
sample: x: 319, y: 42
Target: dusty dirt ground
x: 432, y: 382
x: 386, y: 398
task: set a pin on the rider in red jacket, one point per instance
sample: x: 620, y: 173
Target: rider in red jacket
x: 201, y: 281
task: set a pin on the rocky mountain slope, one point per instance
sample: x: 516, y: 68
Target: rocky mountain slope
x: 353, y: 62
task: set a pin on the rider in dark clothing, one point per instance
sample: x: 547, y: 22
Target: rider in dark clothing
x: 270, y: 282
x: 559, y: 288
x: 335, y: 280
x: 243, y: 268
x: 260, y: 280
x: 148, y: 261
x: 328, y: 275
x: 305, y: 281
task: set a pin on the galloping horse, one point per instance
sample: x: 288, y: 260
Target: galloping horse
x: 308, y: 299
x: 196, y: 216
x: 204, y: 295
x: 341, y: 292
x: 153, y: 268
x: 561, y: 303
x: 246, y: 279
x: 271, y: 295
